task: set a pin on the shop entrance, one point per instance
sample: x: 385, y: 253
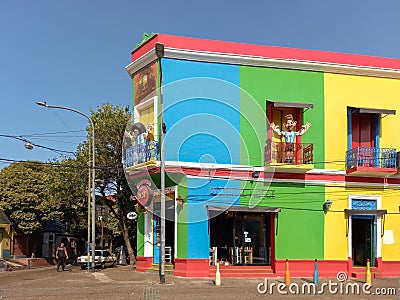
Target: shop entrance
x: 363, y: 240
x: 241, y: 238
x: 169, y: 233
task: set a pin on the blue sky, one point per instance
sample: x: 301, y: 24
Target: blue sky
x: 73, y: 53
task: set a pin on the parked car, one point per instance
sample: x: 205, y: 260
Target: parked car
x: 102, y: 258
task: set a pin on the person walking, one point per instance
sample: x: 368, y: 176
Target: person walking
x: 62, y: 256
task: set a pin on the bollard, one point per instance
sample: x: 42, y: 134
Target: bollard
x: 368, y: 273
x: 316, y: 275
x: 217, y: 276
x: 287, y: 274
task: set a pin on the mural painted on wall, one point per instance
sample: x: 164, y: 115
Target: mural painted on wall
x: 139, y: 145
x: 290, y: 134
x: 145, y: 83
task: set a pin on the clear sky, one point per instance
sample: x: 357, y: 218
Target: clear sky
x: 74, y: 52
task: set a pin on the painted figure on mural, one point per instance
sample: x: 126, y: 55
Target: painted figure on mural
x: 149, y: 133
x: 139, y: 137
x: 290, y: 135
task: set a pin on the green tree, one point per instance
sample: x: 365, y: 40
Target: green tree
x: 26, y: 195
x: 69, y: 184
x: 109, y: 125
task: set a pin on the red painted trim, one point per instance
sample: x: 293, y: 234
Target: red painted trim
x: 190, y: 267
x: 330, y: 268
x: 299, y: 118
x: 297, y: 268
x: 389, y: 268
x: 273, y: 52
x: 277, y: 175
x: 242, y: 271
x: 272, y: 224
x: 366, y: 170
x: 269, y: 119
x: 143, y: 263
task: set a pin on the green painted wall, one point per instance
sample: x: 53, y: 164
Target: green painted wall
x: 299, y: 228
x: 263, y: 84
x: 182, y: 230
x: 140, y: 235
x: 300, y: 224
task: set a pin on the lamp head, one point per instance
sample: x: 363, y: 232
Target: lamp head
x: 255, y: 174
x: 327, y: 205
x: 28, y: 145
x: 159, y: 47
x: 41, y: 103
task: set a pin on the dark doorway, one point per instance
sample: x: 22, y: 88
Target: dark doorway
x: 169, y: 232
x: 362, y: 241
x: 242, y: 238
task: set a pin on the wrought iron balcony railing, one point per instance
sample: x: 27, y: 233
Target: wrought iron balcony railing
x: 142, y: 153
x: 288, y: 153
x: 371, y: 157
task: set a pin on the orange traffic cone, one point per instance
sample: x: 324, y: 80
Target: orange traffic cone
x: 368, y: 273
x: 287, y: 274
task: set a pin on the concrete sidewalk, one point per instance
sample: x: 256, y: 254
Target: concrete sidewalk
x: 231, y: 288
x: 123, y: 282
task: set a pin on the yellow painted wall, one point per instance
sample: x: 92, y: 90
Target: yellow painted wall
x: 335, y: 240
x: 358, y: 91
x: 391, y: 202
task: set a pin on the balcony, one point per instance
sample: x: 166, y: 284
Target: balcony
x: 289, y: 157
x: 371, y: 161
x: 142, y: 155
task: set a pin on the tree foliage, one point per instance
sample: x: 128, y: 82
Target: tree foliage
x: 109, y: 124
x: 32, y: 193
x: 25, y: 195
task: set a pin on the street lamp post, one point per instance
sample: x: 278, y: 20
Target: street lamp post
x: 93, y: 244
x: 159, y: 49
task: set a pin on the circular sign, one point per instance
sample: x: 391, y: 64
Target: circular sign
x: 131, y: 215
x: 144, y: 195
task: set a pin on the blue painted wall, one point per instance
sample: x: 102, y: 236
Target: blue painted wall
x: 202, y: 112
x: 202, y: 115
x: 199, y: 195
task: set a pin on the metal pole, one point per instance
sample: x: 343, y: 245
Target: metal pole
x: 93, y: 198
x: 93, y: 244
x: 88, y: 224
x: 159, y: 49
x: 162, y: 206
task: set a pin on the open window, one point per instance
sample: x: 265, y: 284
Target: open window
x: 364, y: 151
x: 281, y: 149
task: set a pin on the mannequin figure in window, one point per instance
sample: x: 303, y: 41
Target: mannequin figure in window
x: 290, y: 135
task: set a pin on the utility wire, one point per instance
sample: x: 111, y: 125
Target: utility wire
x: 53, y: 133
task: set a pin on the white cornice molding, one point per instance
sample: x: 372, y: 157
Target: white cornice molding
x: 141, y: 62
x: 258, y: 61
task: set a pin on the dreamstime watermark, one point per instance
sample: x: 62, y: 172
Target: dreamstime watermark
x: 342, y: 287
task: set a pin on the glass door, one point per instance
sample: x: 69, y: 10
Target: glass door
x: 363, y: 241
x: 256, y: 239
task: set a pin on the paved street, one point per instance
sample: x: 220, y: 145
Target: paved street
x: 124, y: 283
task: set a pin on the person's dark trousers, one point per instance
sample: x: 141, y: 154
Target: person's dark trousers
x: 61, y: 262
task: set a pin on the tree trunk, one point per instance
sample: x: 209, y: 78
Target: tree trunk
x: 125, y: 234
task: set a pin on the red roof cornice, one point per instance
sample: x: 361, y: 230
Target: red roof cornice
x: 271, y: 52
